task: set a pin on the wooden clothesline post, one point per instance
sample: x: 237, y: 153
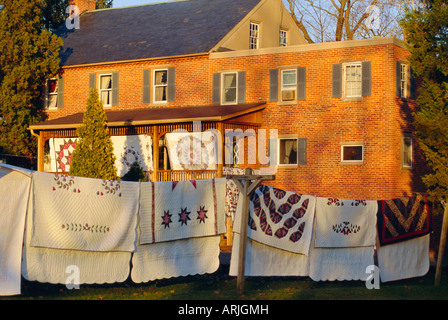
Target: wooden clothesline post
x: 442, y: 244
x: 247, y: 184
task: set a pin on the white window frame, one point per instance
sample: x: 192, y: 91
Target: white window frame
x: 155, y: 86
x: 287, y: 137
x: 48, y: 94
x: 404, y: 80
x: 100, y: 91
x: 283, y: 38
x: 403, y: 164
x: 290, y: 87
x: 353, y: 144
x: 223, y: 91
x: 254, y: 35
x: 346, y: 81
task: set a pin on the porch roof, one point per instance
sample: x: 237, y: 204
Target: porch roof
x: 152, y: 116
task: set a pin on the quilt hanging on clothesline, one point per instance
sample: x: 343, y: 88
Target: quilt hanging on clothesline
x: 181, y: 209
x: 84, y: 214
x: 345, y: 223
x: 127, y: 150
x: 280, y: 219
x: 403, y: 219
x: 192, y: 150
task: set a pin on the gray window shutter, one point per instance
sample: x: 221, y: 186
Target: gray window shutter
x: 273, y: 80
x: 216, y: 88
x: 301, y: 151
x: 92, y: 81
x: 412, y: 85
x: 398, y: 78
x: 115, y: 85
x: 60, y: 93
x: 366, y: 79
x: 146, y: 86
x: 241, y: 86
x: 337, y: 80
x: 301, y: 83
x: 171, y: 84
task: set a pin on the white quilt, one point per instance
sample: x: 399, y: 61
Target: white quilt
x: 128, y: 149
x: 175, y: 259
x: 345, y: 223
x: 181, y: 210
x: 405, y: 259
x: 280, y: 219
x: 54, y: 265
x: 192, y: 150
x: 84, y: 214
x: 14, y: 193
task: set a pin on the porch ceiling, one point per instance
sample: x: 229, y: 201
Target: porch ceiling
x: 150, y: 116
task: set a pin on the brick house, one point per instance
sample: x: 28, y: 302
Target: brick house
x: 342, y: 110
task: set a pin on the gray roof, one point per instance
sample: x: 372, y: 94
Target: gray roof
x: 154, y: 30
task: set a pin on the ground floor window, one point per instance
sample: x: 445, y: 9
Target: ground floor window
x: 352, y: 153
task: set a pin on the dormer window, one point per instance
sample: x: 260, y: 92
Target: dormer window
x: 254, y: 35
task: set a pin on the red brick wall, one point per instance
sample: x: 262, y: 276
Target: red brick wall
x: 378, y: 120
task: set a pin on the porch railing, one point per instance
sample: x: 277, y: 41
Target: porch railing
x: 180, y: 175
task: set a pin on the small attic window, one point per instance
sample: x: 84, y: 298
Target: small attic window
x: 254, y: 35
x: 283, y: 38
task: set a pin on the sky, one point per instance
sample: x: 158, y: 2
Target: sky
x: 127, y: 3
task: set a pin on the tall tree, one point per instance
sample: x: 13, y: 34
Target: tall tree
x: 337, y: 20
x: 426, y: 30
x: 29, y: 54
x: 103, y: 4
x: 93, y: 156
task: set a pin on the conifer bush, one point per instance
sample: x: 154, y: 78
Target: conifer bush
x: 94, y: 156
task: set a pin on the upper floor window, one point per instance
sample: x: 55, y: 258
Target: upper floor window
x: 254, y: 35
x: 353, y: 79
x: 288, y: 84
x: 403, y: 80
x: 160, y: 85
x: 283, y: 38
x: 52, y: 94
x: 229, y: 88
x: 105, y: 89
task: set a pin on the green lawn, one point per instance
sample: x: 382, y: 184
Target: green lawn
x: 220, y: 286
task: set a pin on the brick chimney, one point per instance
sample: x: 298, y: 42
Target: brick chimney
x: 84, y: 5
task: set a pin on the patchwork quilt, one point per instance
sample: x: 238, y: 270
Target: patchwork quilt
x: 280, y: 219
x: 181, y: 210
x: 84, y: 214
x: 403, y: 219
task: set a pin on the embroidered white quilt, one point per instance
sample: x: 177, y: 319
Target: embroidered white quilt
x: 281, y: 219
x: 182, y: 209
x: 128, y: 149
x: 59, y: 266
x: 345, y: 223
x: 14, y: 193
x: 84, y: 214
x: 192, y: 150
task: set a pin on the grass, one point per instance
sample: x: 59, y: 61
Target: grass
x: 220, y: 286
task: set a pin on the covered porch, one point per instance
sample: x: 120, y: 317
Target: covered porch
x: 154, y: 124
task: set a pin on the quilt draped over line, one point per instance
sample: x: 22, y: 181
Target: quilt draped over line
x: 280, y: 219
x: 403, y: 219
x: 14, y: 192
x: 182, y: 209
x: 77, y: 213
